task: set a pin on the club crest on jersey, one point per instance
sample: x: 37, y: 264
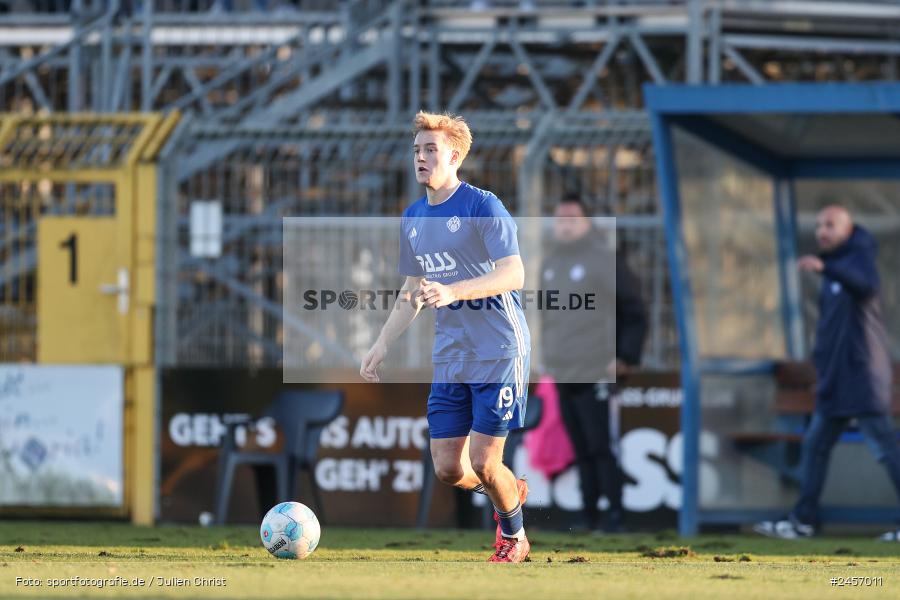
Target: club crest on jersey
x: 453, y: 224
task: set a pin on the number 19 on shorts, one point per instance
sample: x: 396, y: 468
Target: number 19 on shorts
x: 505, y: 398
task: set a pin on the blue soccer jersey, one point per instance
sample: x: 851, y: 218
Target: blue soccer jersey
x: 459, y: 239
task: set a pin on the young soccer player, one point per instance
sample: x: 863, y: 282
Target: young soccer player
x: 460, y: 256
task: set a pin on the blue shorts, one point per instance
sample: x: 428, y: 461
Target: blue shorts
x: 487, y: 396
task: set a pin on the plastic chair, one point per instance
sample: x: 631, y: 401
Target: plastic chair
x: 301, y: 416
x: 514, y: 439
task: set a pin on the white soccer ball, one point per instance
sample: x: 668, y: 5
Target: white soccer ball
x: 290, y: 530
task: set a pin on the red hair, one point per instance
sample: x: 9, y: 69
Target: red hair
x: 454, y: 127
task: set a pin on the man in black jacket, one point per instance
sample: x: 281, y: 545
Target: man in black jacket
x: 581, y: 351
x: 853, y: 368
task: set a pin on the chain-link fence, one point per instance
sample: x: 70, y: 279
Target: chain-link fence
x: 221, y: 303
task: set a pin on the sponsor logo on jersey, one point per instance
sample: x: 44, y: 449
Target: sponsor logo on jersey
x: 413, y: 233
x: 438, y: 262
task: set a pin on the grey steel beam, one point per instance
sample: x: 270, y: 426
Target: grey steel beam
x: 533, y: 75
x: 434, y: 73
x: 660, y: 274
x: 74, y: 87
x: 212, y: 58
x: 555, y: 36
x: 500, y: 124
x: 394, y: 66
x: 856, y: 10
x: 235, y: 70
x: 743, y: 66
x: 161, y: 78
x: 208, y: 154
x: 166, y: 326
x: 312, y: 17
x: 531, y: 174
x: 714, y: 55
x: 282, y: 74
x: 812, y: 44
x: 77, y: 37
x: 106, y: 63
x: 273, y: 350
x: 17, y: 265
x: 415, y: 73
x: 191, y: 77
x: 530, y: 189
x: 324, y: 84
x: 612, y: 183
x: 37, y: 91
x: 147, y: 56
x: 646, y: 58
x: 120, y: 83
x: 471, y: 75
x: 275, y: 310
x: 96, y: 95
x: 695, y: 42
x: 270, y: 54
x: 603, y: 10
x: 590, y: 78
x: 191, y: 327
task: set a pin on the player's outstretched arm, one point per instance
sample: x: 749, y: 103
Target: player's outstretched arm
x: 508, y: 275
x: 407, y: 306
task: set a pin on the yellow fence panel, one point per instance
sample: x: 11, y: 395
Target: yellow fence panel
x: 77, y: 258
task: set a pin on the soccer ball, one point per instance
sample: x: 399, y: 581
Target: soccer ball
x: 290, y: 530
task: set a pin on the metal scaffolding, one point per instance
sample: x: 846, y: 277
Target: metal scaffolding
x: 395, y: 55
x: 305, y: 108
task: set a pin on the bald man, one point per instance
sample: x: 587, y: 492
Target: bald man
x: 853, y: 369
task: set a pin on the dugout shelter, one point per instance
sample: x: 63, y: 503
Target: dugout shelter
x: 742, y: 170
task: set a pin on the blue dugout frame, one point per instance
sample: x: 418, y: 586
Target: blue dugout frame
x: 690, y: 107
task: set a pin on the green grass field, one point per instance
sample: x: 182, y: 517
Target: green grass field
x: 394, y: 564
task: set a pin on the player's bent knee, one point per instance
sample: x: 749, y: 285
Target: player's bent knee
x: 486, y: 469
x: 449, y: 474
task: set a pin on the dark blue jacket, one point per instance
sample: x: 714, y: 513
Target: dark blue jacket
x: 853, y: 367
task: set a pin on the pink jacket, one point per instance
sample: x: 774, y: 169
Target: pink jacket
x: 548, y: 445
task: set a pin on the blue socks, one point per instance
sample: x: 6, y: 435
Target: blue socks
x: 512, y: 524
